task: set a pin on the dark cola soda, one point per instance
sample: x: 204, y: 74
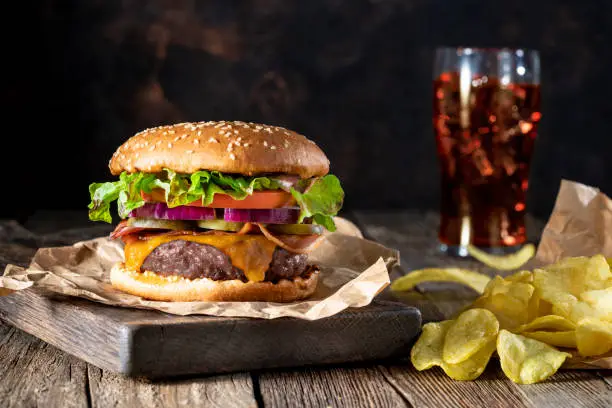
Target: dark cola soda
x: 485, y: 134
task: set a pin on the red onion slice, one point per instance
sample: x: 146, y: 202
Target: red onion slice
x: 183, y: 212
x: 271, y: 216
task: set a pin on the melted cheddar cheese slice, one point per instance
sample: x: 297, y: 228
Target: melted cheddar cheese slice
x: 251, y: 253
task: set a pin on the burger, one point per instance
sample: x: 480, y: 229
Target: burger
x: 218, y: 211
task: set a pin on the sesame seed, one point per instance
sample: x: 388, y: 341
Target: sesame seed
x: 268, y: 130
x: 235, y: 132
x: 196, y: 141
x: 189, y: 151
x: 285, y: 132
x: 218, y: 125
x: 222, y: 132
x: 265, y: 143
x: 169, y: 145
x: 184, y: 136
x: 286, y: 143
x: 199, y: 133
x: 239, y: 138
x: 232, y: 156
x: 152, y: 148
x: 213, y: 140
x: 246, y: 145
x: 171, y: 132
x: 273, y: 147
x: 176, y: 139
x: 256, y: 130
x: 258, y: 127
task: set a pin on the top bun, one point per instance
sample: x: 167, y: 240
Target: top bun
x: 229, y: 147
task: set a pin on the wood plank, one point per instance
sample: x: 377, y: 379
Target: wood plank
x: 35, y: 373
x: 336, y: 387
x: 606, y: 376
x: 573, y: 388
x: 570, y: 388
x: 154, y: 344
x: 432, y: 388
x: 114, y: 390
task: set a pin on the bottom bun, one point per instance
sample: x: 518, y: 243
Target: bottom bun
x: 155, y: 287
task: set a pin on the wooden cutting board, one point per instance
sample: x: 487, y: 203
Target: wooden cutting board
x: 154, y: 344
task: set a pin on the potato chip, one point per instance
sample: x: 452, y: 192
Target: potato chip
x: 471, y: 368
x: 576, y: 310
x: 520, y: 276
x: 544, y: 307
x: 427, y: 351
x: 571, y: 276
x: 594, y: 337
x: 509, y: 302
x: 534, y: 307
x: 475, y: 280
x: 503, y: 262
x: 527, y: 361
x: 548, y: 323
x: 565, y: 339
x: 600, y: 300
x: 468, y: 334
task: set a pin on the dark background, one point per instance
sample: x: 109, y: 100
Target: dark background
x: 79, y: 77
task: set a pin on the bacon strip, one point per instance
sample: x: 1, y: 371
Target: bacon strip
x: 246, y: 228
x: 123, y: 229
x: 299, y: 244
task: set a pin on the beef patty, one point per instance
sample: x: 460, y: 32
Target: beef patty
x: 193, y: 260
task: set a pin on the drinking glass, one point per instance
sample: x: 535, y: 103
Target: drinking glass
x: 486, y: 111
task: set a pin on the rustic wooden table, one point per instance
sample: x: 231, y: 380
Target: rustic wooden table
x: 33, y: 373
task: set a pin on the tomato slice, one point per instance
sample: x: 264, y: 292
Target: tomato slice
x: 258, y: 200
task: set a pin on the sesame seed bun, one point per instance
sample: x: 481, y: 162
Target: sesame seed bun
x: 230, y: 147
x: 151, y: 286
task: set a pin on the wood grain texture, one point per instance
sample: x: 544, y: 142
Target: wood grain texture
x: 114, y: 390
x: 570, y: 388
x: 34, y: 373
x: 75, y: 327
x: 432, y: 388
x: 336, y: 387
x: 153, y: 344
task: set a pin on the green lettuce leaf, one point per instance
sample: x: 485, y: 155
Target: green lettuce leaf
x: 321, y: 201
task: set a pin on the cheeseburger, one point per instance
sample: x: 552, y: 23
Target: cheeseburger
x: 219, y: 211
